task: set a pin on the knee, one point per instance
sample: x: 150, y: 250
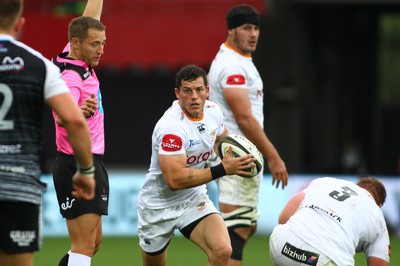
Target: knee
x: 89, y: 248
x: 253, y: 229
x: 96, y: 247
x: 222, y: 253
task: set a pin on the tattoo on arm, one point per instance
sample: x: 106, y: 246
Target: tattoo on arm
x: 190, y: 174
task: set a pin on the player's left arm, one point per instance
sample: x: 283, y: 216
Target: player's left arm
x: 224, y: 133
x: 291, y: 207
x: 239, y: 102
x: 219, y: 137
x: 93, y: 9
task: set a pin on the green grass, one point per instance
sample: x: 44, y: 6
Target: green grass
x: 125, y: 251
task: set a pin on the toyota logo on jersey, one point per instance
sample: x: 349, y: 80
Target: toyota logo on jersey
x: 171, y: 143
x: 236, y: 80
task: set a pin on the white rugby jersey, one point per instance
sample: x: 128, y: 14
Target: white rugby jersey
x: 175, y: 133
x: 231, y: 70
x: 338, y: 217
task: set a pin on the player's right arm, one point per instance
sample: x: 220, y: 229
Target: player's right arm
x: 178, y: 176
x: 239, y: 102
x: 93, y: 9
x: 79, y: 138
x: 378, y: 252
x: 374, y: 261
x: 291, y: 207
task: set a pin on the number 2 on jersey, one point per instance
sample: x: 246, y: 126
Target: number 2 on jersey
x: 5, y: 107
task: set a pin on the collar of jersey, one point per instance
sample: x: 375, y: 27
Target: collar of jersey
x: 192, y: 118
x: 6, y: 37
x: 77, y: 62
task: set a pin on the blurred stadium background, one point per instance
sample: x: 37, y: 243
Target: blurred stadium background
x: 330, y: 71
x: 332, y: 97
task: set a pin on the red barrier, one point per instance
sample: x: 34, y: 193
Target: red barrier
x: 142, y: 32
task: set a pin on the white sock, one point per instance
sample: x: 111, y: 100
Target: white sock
x: 76, y: 259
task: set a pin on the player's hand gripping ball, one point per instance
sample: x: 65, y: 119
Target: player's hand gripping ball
x: 241, y: 146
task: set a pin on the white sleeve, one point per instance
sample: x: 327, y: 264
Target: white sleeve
x: 54, y: 84
x: 170, y: 138
x: 381, y: 247
x: 234, y: 76
x: 221, y: 119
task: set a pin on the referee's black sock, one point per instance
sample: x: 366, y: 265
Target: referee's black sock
x: 64, y: 260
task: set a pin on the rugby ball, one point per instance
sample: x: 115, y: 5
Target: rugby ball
x: 241, y: 146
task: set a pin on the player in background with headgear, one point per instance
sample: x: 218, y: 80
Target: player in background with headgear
x: 174, y: 195
x: 236, y: 86
x: 87, y: 38
x: 331, y: 220
x: 27, y: 82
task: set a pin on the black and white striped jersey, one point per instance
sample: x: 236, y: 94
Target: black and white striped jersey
x: 27, y: 79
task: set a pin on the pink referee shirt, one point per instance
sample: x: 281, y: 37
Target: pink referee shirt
x: 81, y: 90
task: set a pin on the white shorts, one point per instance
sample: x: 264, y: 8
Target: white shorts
x: 283, y: 241
x: 156, y: 226
x: 237, y: 190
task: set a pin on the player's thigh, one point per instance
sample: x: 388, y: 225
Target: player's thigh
x: 154, y: 260
x: 211, y: 233
x: 20, y: 259
x: 155, y: 229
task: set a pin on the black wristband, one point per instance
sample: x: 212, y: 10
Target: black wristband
x: 217, y: 171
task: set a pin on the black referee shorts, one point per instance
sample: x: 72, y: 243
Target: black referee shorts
x: 20, y: 226
x: 70, y: 208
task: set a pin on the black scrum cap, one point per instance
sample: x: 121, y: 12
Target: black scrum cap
x: 242, y: 14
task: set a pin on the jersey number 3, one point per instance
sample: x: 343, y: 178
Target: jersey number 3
x: 343, y: 195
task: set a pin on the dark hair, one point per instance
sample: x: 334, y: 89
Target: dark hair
x: 190, y: 73
x: 9, y: 12
x: 375, y: 187
x: 242, y: 14
x: 79, y: 27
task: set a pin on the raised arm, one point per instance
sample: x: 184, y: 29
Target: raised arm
x: 93, y: 9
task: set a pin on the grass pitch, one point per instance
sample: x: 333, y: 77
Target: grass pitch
x: 125, y: 251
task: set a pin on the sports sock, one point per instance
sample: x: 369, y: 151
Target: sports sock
x: 64, y: 260
x: 76, y: 259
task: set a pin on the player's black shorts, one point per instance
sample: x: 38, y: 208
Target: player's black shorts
x: 20, y: 227
x: 70, y: 208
